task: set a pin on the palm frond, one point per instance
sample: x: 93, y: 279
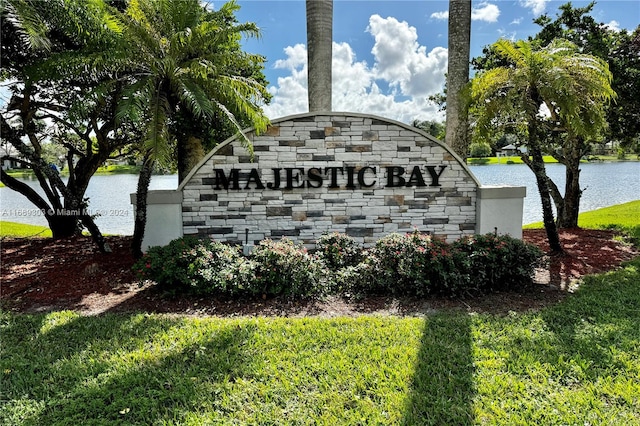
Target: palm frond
x: 28, y: 23
x: 195, y: 98
x: 110, y: 21
x: 157, y: 140
x: 246, y: 143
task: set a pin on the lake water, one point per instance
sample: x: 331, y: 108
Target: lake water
x: 604, y: 184
x: 108, y: 197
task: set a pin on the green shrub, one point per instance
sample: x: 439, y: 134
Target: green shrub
x: 166, y: 265
x: 621, y: 153
x: 478, y: 161
x: 479, y: 150
x: 283, y: 267
x: 406, y: 265
x: 412, y: 264
x: 197, y: 266
x: 497, y: 262
x: 338, y: 250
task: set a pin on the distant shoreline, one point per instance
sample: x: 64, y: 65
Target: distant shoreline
x: 548, y: 159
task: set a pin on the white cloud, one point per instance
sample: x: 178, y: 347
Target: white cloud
x: 486, y: 12
x: 510, y: 35
x: 516, y: 21
x: 290, y: 94
x: 537, y: 6
x: 400, y: 63
x: 544, y: 111
x: 296, y: 56
x: 440, y: 15
x: 613, y: 25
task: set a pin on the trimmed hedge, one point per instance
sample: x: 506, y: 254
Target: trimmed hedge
x: 412, y: 264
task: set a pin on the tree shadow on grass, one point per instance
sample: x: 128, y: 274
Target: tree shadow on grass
x: 119, y: 369
x: 442, y: 388
x: 601, y: 318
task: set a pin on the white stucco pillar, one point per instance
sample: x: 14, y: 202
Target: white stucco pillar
x: 499, y: 208
x: 164, y: 217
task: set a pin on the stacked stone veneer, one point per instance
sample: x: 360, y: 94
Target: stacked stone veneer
x: 304, y: 214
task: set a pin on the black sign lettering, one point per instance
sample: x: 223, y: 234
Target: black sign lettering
x: 276, y: 180
x: 394, y: 176
x: 314, y: 178
x: 230, y: 182
x: 361, y: 173
x: 347, y: 177
x: 291, y: 177
x: 254, y: 177
x: 416, y: 178
x: 350, y: 171
x: 435, y: 177
x: 334, y: 175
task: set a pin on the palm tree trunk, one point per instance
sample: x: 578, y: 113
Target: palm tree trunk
x: 190, y: 152
x: 536, y: 164
x: 458, y: 76
x: 319, y: 51
x: 142, y: 190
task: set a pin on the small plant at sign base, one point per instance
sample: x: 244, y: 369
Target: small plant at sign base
x: 197, y: 266
x: 338, y: 250
x: 283, y: 267
x: 412, y: 264
x: 498, y: 262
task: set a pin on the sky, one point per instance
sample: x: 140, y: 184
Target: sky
x: 390, y: 56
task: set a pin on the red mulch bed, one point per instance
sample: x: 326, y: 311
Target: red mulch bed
x: 41, y: 275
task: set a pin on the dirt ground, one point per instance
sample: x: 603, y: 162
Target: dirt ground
x: 41, y: 275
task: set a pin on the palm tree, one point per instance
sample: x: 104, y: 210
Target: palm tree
x: 573, y: 87
x: 185, y: 70
x: 319, y: 48
x: 456, y: 135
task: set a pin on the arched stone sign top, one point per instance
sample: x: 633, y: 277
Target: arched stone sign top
x: 357, y: 174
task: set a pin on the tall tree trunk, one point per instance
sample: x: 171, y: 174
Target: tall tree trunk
x: 458, y: 76
x: 536, y: 164
x: 63, y: 221
x: 142, y: 190
x: 568, y: 213
x: 319, y: 51
x: 190, y: 152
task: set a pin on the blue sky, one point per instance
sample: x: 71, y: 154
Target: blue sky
x: 389, y: 56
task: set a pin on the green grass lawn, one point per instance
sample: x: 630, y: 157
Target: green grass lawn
x: 623, y: 217
x: 104, y: 170
x: 15, y: 229
x: 111, y: 169
x: 574, y: 363
x: 515, y: 159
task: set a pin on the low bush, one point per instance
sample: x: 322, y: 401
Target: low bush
x: 413, y: 264
x: 338, y: 250
x: 283, y: 267
x: 197, y: 266
x: 497, y: 262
